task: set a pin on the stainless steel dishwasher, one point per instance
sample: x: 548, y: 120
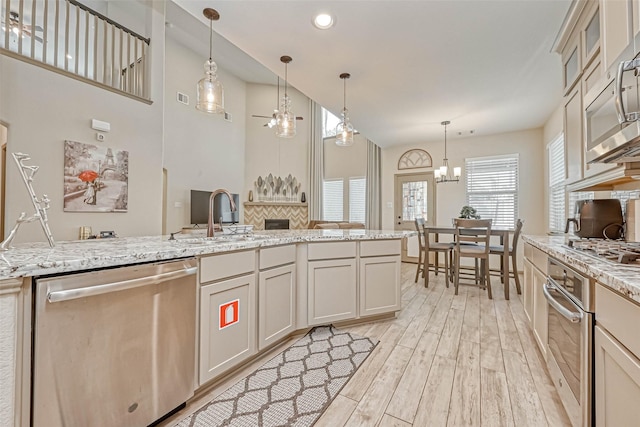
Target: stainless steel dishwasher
x: 114, y: 347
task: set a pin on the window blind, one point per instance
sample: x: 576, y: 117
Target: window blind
x: 332, y: 200
x: 557, y: 193
x: 357, y: 199
x: 492, y: 188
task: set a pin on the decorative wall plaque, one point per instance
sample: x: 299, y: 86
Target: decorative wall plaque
x: 415, y: 159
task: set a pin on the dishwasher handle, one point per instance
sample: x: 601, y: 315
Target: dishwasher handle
x: 66, y: 295
x: 572, y: 316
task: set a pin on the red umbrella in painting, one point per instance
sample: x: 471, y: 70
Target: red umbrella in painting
x: 88, y: 175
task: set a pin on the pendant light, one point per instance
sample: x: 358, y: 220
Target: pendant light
x: 285, y: 119
x: 344, y: 130
x: 443, y: 174
x: 210, y: 91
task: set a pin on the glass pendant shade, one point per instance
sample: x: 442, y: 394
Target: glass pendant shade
x: 285, y: 119
x: 210, y: 90
x: 344, y: 131
x: 210, y: 93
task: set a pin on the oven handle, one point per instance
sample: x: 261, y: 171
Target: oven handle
x: 66, y: 295
x: 572, y: 316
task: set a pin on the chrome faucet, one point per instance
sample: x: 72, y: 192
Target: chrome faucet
x: 211, y: 223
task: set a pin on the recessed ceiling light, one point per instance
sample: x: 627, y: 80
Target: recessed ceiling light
x: 323, y: 21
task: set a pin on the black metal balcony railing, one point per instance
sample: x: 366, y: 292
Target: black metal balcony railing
x: 67, y: 37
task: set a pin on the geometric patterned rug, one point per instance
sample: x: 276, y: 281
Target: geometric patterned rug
x: 292, y: 389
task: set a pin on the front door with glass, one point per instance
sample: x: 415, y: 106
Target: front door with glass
x: 414, y: 198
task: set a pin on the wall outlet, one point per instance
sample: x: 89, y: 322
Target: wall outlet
x: 100, y: 136
x: 177, y: 204
x: 389, y: 205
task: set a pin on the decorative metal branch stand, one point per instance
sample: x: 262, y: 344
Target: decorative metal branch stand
x: 40, y: 205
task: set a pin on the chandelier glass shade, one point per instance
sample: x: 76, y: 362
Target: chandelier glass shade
x: 344, y: 129
x: 285, y: 119
x: 210, y: 93
x: 445, y: 173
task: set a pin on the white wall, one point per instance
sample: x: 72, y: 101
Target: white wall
x: 202, y: 151
x: 450, y: 197
x: 265, y: 152
x: 43, y: 109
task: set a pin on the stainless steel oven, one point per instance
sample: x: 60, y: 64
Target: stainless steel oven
x: 570, y: 349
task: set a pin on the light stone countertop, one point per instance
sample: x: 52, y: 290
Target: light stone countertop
x: 36, y: 259
x: 623, y: 278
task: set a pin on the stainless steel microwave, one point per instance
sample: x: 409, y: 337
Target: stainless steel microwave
x: 612, y: 116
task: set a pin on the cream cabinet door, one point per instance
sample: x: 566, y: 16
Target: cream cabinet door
x: 332, y: 290
x: 616, y: 29
x: 527, y: 290
x: 574, y: 147
x: 276, y: 304
x: 540, y: 312
x: 227, y: 325
x: 379, y: 285
x: 617, y: 373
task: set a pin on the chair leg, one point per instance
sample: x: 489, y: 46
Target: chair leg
x: 418, y: 268
x: 435, y: 262
x: 515, y: 272
x: 502, y: 278
x: 446, y: 270
x: 487, y: 272
x: 425, y: 269
x: 456, y: 281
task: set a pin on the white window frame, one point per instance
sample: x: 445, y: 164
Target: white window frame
x: 557, y: 188
x: 329, y: 211
x: 357, y: 213
x: 474, y: 166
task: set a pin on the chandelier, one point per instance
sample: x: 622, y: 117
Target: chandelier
x: 443, y: 174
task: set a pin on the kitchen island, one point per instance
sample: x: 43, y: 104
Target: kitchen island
x: 314, y: 276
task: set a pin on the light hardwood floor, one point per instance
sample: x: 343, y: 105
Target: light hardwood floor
x: 446, y: 360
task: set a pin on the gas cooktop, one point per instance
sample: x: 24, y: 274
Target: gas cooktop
x: 617, y: 251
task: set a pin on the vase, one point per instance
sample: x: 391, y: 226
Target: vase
x: 303, y: 198
x: 250, y: 196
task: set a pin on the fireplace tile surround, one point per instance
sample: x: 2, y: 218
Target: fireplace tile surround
x: 256, y: 212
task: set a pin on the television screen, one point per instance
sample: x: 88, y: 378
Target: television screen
x: 221, y: 208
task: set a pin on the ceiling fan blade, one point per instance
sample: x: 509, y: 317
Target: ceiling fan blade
x: 299, y: 118
x: 262, y: 117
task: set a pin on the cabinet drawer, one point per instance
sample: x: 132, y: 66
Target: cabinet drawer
x: 379, y: 248
x: 280, y: 255
x: 218, y: 267
x: 618, y: 316
x: 537, y: 257
x: 331, y: 250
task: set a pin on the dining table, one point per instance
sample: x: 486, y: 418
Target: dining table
x: 502, y: 233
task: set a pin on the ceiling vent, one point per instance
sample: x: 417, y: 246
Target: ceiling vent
x: 183, y: 98
x: 228, y: 117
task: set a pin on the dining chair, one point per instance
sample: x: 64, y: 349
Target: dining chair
x: 478, y: 233
x: 419, y: 222
x: 513, y: 248
x: 436, y: 247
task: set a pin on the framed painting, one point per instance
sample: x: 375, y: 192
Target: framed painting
x: 96, y: 179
